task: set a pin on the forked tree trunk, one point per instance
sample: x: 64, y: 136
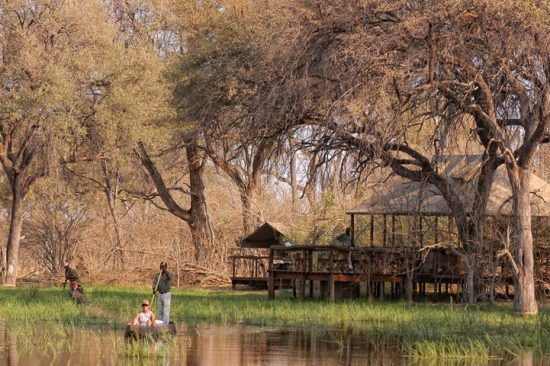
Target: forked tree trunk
x: 201, y: 231
x: 524, y: 278
x: 465, y: 237
x: 250, y: 211
x: 197, y: 216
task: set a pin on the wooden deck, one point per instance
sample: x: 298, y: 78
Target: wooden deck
x: 402, y: 270
x: 335, y: 268
x: 250, y: 272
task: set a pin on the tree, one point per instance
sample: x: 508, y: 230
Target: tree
x: 368, y: 72
x: 196, y: 216
x: 214, y: 82
x: 55, y: 229
x: 47, y: 74
x: 495, y: 68
x: 69, y: 91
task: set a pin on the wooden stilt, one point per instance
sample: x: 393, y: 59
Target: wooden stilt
x: 352, y: 229
x: 310, y: 269
x: 393, y: 230
x: 384, y: 231
x: 371, y: 230
x: 303, y: 277
x: 331, y: 289
x: 271, y: 279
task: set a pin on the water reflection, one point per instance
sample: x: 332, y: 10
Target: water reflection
x: 211, y: 345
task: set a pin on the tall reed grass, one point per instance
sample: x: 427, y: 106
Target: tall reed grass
x: 419, y: 329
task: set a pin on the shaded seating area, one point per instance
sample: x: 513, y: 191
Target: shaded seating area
x: 404, y: 241
x: 338, y: 270
x: 250, y: 264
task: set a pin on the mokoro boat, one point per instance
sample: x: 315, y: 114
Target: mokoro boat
x: 139, y: 332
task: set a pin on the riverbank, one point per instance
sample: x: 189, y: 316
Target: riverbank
x: 419, y: 329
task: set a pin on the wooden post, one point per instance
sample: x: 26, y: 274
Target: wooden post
x: 369, y: 290
x: 233, y: 284
x: 352, y: 229
x: 384, y: 234
x: 271, y: 279
x: 371, y: 230
x: 331, y: 292
x: 310, y: 270
x: 392, y: 230
x: 303, y: 276
x: 436, y: 233
x: 409, y: 286
x: 381, y: 291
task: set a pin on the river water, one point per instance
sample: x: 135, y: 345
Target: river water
x: 209, y: 345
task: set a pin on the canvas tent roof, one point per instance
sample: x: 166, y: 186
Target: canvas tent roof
x: 265, y: 236
x: 401, y: 196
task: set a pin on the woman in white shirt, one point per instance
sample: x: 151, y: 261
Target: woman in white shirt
x: 145, y: 317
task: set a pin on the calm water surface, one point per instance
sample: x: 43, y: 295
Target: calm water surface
x: 208, y: 345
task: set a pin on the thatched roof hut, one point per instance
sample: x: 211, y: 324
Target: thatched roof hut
x: 400, y: 196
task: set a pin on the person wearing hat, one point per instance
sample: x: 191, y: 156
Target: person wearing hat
x: 71, y: 276
x: 145, y: 318
x: 163, y: 283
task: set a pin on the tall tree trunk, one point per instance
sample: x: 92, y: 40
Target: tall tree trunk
x: 118, y: 255
x: 524, y: 278
x: 197, y: 216
x: 466, y: 236
x: 14, y: 235
x: 200, y: 226
x: 251, y: 216
x: 293, y: 181
x: 246, y: 203
x: 111, y: 194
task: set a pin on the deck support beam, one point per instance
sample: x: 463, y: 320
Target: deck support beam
x: 271, y: 278
x: 303, y: 276
x: 310, y: 269
x: 331, y: 288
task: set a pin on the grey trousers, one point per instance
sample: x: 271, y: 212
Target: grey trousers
x: 164, y: 307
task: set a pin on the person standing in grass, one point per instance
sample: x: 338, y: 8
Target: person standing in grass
x: 76, y: 292
x: 162, y: 283
x: 71, y: 276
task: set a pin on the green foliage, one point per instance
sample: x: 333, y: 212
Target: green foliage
x: 420, y: 330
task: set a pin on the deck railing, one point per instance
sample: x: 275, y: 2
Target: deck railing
x: 249, y: 266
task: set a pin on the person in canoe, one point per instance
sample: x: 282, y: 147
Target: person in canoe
x: 145, y: 318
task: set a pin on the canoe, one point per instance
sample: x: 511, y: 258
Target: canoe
x: 140, y: 332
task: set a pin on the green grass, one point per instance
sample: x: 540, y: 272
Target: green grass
x: 418, y: 330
